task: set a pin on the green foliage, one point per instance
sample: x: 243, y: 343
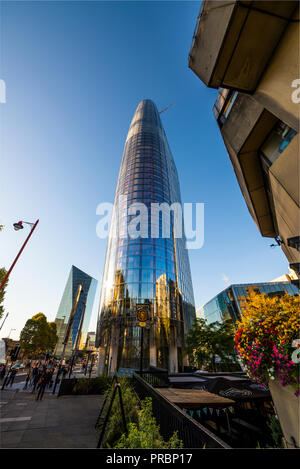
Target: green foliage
x: 207, y: 341
x: 276, y: 432
x: 3, y: 272
x: 38, y: 336
x: 145, y: 434
x: 115, y: 428
x: 97, y: 385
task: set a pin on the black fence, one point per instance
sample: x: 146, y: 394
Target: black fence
x: 156, y: 377
x: 66, y: 387
x: 171, y: 418
x: 83, y: 386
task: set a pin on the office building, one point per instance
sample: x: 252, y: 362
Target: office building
x: 85, y: 304
x: 150, y: 271
x: 230, y: 303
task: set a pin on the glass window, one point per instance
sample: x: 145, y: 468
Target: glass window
x: 278, y: 140
x: 160, y: 263
x: 147, y: 276
x: 133, y: 261
x: 147, y: 290
x: 147, y: 261
x: 132, y: 290
x: 133, y: 275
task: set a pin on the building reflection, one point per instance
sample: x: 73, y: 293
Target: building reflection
x: 152, y: 271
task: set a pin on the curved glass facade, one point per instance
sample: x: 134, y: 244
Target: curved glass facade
x: 149, y: 269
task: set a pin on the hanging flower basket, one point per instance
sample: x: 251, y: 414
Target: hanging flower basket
x: 267, y: 342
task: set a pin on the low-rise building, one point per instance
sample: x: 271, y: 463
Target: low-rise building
x: 230, y: 303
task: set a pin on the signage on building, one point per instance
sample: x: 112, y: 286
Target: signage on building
x: 143, y: 315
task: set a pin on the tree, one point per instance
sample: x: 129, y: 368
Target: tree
x: 205, y: 342
x: 38, y: 336
x: 3, y: 272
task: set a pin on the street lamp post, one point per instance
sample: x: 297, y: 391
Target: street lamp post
x: 19, y: 226
x: 75, y: 352
x: 10, y: 333
x: 4, y: 321
x: 68, y: 330
x: 67, y: 334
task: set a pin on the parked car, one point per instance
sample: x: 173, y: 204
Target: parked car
x: 18, y: 366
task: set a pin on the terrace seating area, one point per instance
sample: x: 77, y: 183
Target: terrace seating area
x: 228, y: 405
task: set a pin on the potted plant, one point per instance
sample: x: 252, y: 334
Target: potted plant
x: 267, y: 342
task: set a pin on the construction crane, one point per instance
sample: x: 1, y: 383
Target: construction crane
x: 166, y: 108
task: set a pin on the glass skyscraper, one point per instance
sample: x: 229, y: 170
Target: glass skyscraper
x: 148, y: 270
x: 87, y: 296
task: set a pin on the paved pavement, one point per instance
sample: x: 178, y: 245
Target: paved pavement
x: 64, y: 422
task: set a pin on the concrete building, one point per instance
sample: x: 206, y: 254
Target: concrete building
x: 249, y: 50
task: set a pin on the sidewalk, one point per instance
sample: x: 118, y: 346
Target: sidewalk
x: 64, y: 422
x: 20, y: 384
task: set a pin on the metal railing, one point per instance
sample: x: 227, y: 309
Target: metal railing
x: 156, y: 377
x: 66, y: 386
x: 171, y: 418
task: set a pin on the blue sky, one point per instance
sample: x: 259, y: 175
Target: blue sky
x: 75, y: 72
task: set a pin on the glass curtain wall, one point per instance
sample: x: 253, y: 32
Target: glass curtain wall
x: 85, y: 306
x: 149, y: 269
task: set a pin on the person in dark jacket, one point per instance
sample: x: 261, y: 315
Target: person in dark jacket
x: 36, y: 377
x: 65, y: 371
x: 43, y: 381
x: 11, y: 377
x: 28, y: 378
x: 3, y: 370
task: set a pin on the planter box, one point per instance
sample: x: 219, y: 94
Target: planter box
x: 287, y: 406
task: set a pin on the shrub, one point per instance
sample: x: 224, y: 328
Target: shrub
x: 115, y: 428
x: 97, y: 385
x: 145, y: 434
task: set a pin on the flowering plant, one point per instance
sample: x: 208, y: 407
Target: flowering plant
x: 266, y: 338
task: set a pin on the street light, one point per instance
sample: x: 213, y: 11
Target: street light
x: 10, y: 332
x: 4, y: 321
x: 19, y: 226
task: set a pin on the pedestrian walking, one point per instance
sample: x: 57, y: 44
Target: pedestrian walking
x: 50, y: 380
x: 43, y: 381
x: 28, y: 378
x: 35, y: 379
x: 11, y: 377
x: 3, y: 371
x: 65, y: 371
